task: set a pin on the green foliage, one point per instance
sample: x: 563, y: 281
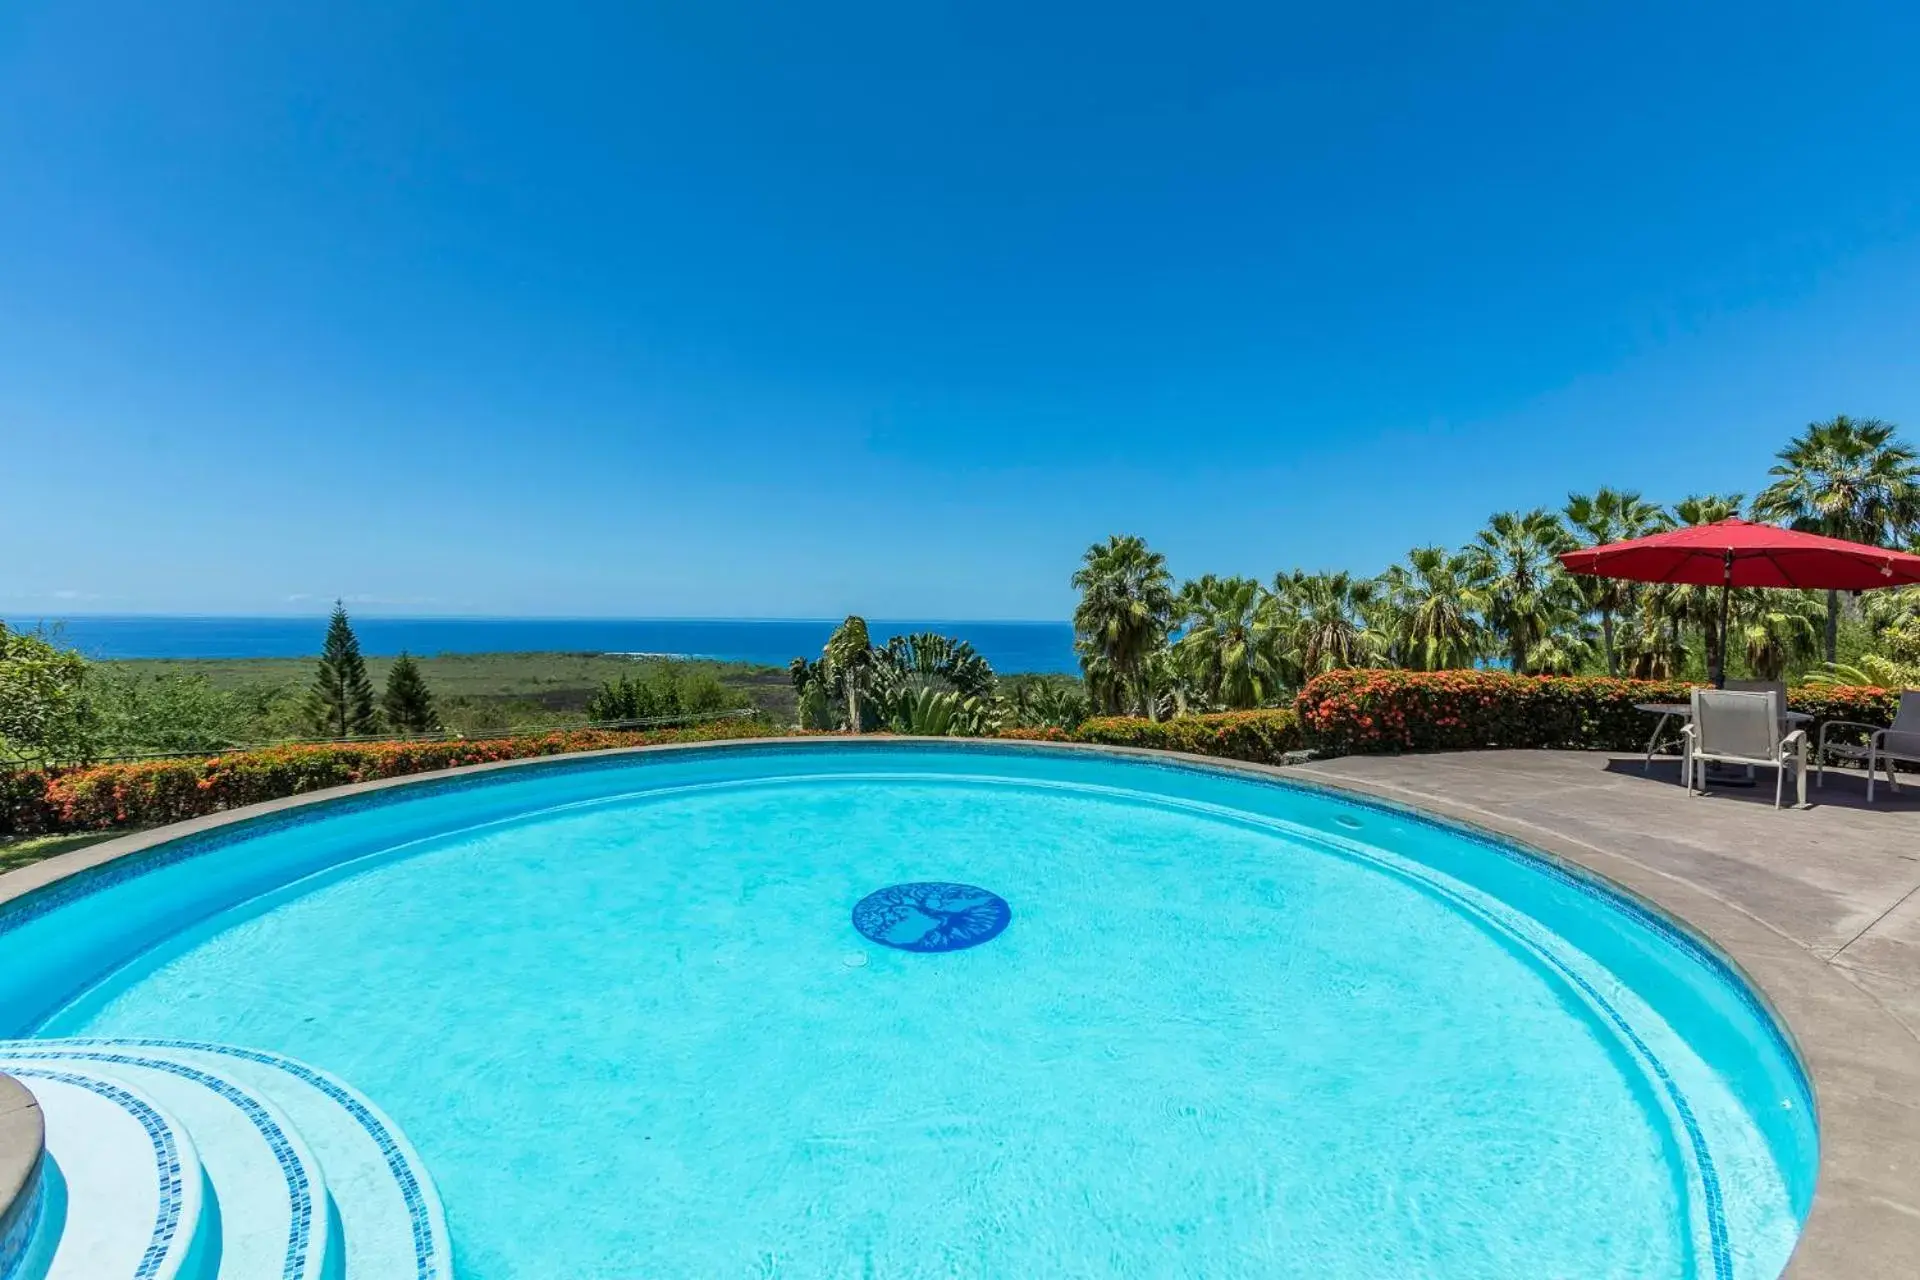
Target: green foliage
x: 817, y: 694
x: 659, y: 691
x: 46, y: 717
x: 1872, y: 670
x: 921, y: 684
x: 1229, y: 649
x: 940, y: 713
x: 1609, y: 515
x: 1264, y: 737
x: 1125, y: 612
x: 1041, y: 701
x: 340, y: 704
x: 849, y: 660
x: 1378, y: 711
x: 143, y: 712
x: 1846, y: 478
x: 407, y: 702
x: 1529, y: 599
x: 160, y: 791
x: 1432, y: 610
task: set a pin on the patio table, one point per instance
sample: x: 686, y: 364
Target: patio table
x: 1683, y: 711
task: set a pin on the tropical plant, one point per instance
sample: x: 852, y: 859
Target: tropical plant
x: 340, y: 703
x: 1772, y: 629
x: 1125, y: 609
x: 1434, y: 619
x: 849, y: 660
x: 1058, y: 702
x: 1322, y: 619
x: 817, y: 693
x: 928, y: 660
x: 1163, y: 687
x: 932, y: 684
x: 1846, y: 478
x: 1529, y: 601
x: 1894, y: 617
x: 1610, y: 515
x: 1229, y: 647
x: 406, y: 701
x: 940, y: 713
x: 46, y: 717
x: 1873, y: 670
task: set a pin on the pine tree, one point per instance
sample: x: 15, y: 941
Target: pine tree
x: 341, y: 703
x: 407, y: 700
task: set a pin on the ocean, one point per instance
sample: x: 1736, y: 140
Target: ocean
x: 1009, y: 646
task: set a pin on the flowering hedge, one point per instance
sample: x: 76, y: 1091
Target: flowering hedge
x: 1372, y: 711
x: 159, y: 791
x: 1262, y: 736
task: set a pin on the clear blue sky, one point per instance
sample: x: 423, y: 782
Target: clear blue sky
x: 729, y: 310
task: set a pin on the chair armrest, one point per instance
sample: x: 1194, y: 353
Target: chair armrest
x: 1848, y: 724
x: 1795, y: 740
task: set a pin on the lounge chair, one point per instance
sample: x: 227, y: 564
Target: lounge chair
x: 1900, y: 741
x: 1734, y: 727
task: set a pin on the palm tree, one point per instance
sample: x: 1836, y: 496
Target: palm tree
x: 1846, y: 478
x: 1698, y: 607
x: 1530, y: 601
x: 1610, y: 515
x: 1229, y: 642
x: 1126, y: 604
x: 1773, y: 629
x: 1324, y: 620
x: 1435, y: 609
x: 849, y: 660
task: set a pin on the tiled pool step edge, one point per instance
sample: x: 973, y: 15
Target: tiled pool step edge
x: 122, y: 1187
x: 284, y: 1143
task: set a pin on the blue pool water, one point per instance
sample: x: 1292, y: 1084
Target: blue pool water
x: 1216, y: 1026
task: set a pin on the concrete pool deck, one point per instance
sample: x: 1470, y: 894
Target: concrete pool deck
x: 1820, y: 907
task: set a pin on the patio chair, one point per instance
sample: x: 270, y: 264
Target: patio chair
x: 1900, y: 741
x: 1764, y: 686
x: 1734, y: 727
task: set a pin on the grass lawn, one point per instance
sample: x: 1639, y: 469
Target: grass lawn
x: 20, y: 851
x: 477, y: 692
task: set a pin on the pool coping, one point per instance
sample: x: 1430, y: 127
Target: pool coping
x: 1863, y: 1065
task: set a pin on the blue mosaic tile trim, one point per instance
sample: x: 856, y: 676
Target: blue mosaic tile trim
x: 166, y: 1161
x: 427, y: 1264
x: 1717, y: 1235
x: 24, y: 1225
x: 299, y: 1189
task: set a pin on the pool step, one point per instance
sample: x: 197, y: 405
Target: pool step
x: 312, y: 1181
x: 124, y: 1192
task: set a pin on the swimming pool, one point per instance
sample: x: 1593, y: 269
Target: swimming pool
x: 903, y: 1010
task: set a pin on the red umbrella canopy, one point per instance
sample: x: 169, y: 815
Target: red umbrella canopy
x: 1742, y: 554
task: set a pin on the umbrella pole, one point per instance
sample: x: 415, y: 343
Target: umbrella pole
x: 1726, y: 598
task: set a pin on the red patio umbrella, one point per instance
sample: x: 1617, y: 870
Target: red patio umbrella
x: 1739, y: 553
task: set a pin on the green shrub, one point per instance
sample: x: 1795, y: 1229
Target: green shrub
x: 1261, y: 736
x: 160, y: 791
x: 1366, y: 711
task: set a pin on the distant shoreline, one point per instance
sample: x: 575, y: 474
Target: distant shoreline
x: 1038, y: 647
